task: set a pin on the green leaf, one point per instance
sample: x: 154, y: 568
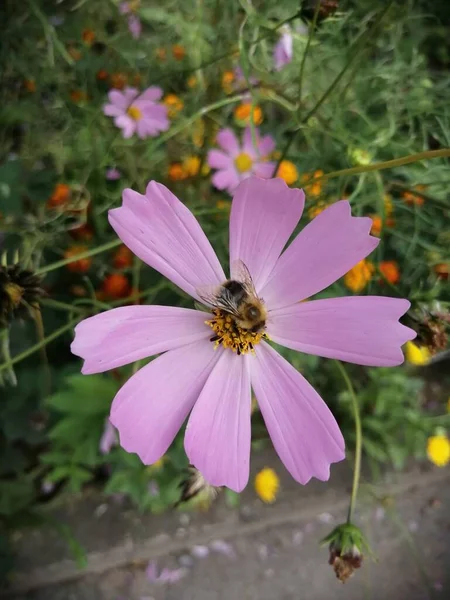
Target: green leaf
x: 85, y: 395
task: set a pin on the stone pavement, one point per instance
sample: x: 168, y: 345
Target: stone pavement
x: 255, y: 552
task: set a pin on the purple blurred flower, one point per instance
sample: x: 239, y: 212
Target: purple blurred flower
x: 240, y: 81
x: 222, y: 547
x: 153, y: 488
x: 210, y: 380
x: 236, y: 162
x: 200, y: 551
x: 166, y: 575
x: 135, y: 26
x: 113, y: 174
x: 134, y: 113
x: 108, y: 439
x: 283, y: 51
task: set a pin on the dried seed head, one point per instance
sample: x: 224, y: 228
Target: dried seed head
x: 20, y: 292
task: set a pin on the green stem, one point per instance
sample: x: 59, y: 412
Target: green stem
x: 358, y: 445
x: 62, y: 306
x: 87, y: 254
x: 388, y: 164
x: 26, y: 353
x: 305, y: 53
x: 5, y: 353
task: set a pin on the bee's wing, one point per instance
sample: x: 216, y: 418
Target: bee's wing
x: 216, y: 296
x: 242, y: 274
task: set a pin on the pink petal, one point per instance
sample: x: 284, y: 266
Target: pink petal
x: 263, y: 216
x: 217, y: 440
x: 362, y: 330
x: 154, y: 121
x: 122, y: 99
x: 266, y: 145
x: 265, y: 170
x: 122, y: 335
x: 228, y: 142
x: 164, y: 234
x: 151, y: 407
x: 322, y: 252
x: 303, y: 430
x: 111, y: 110
x: 219, y: 160
x: 127, y: 124
x: 153, y: 94
x: 226, y: 179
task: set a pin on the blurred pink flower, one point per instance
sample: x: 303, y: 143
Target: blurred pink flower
x: 134, y: 22
x: 196, y: 374
x: 108, y: 439
x: 236, y: 162
x: 113, y: 174
x: 283, y: 51
x: 137, y: 113
x: 166, y: 575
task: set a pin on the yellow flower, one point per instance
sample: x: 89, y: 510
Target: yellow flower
x: 416, y: 355
x: 244, y: 114
x: 174, y: 104
x: 288, y: 172
x: 438, y: 450
x: 267, y: 484
x: 313, y: 189
x: 388, y: 206
x: 315, y: 210
x: 191, y: 166
x: 357, y: 278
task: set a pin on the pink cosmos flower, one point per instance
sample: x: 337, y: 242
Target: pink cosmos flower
x: 113, y: 174
x: 211, y: 382
x: 108, y: 439
x: 235, y: 162
x: 283, y: 51
x: 134, y: 22
x: 134, y: 113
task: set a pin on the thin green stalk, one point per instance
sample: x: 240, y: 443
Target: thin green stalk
x: 87, y: 254
x: 32, y: 349
x: 5, y: 353
x: 56, y: 304
x: 305, y: 53
x: 358, y: 443
x: 388, y: 164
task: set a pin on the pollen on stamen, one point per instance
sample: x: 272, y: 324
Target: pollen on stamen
x: 229, y: 335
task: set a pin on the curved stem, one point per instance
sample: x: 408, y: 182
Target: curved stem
x: 66, y: 261
x: 32, y: 349
x: 358, y: 434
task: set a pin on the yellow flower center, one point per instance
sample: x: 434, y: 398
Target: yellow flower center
x: 267, y: 484
x: 438, y: 450
x: 243, y: 162
x: 134, y: 112
x: 228, y: 334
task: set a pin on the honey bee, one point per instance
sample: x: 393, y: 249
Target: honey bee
x: 238, y: 298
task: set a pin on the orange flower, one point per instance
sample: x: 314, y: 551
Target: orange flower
x: 442, y: 270
x: 377, y: 225
x: 288, y: 172
x: 78, y: 96
x: 357, y: 278
x: 178, y: 52
x: 244, y: 114
x: 118, y: 80
x: 81, y: 265
x: 176, y: 172
x: 123, y: 258
x: 390, y: 271
x: 74, y: 53
x: 102, y: 75
x: 115, y: 285
x: 83, y: 232
x: 412, y: 198
x: 78, y: 290
x: 318, y: 208
x: 88, y: 36
x: 60, y: 196
x: 192, y: 81
x: 313, y: 189
x: 227, y: 80
x: 174, y: 104
x: 161, y: 54
x: 30, y: 85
